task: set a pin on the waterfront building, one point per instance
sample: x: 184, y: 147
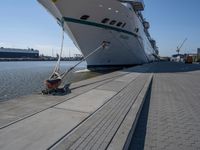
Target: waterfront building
x: 18, y: 53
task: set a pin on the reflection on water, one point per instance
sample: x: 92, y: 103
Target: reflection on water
x: 24, y: 78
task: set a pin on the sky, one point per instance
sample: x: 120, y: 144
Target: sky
x: 26, y: 24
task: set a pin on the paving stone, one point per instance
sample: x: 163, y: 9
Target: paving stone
x: 98, y: 131
x: 170, y: 120
x: 38, y: 122
x: 22, y: 107
x: 87, y: 102
x: 39, y: 131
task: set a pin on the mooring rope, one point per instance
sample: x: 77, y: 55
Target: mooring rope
x: 57, y: 67
x: 56, y: 79
x: 103, y: 45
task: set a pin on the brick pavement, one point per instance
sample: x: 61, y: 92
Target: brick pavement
x: 170, y: 119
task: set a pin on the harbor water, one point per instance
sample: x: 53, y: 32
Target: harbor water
x: 25, y: 78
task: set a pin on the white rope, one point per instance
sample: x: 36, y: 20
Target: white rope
x: 57, y: 75
x: 94, y: 51
x: 57, y: 67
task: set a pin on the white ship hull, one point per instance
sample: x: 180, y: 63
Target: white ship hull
x: 129, y: 45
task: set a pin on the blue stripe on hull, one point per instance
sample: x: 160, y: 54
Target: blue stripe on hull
x: 84, y: 22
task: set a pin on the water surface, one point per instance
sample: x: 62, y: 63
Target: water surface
x: 24, y: 78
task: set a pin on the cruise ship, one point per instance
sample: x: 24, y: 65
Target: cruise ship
x: 119, y: 22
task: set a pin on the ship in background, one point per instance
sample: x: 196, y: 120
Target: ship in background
x: 119, y: 22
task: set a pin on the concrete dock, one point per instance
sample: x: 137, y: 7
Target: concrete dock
x: 170, y: 119
x: 153, y: 106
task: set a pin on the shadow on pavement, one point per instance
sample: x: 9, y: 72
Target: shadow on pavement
x: 165, y: 67
x: 138, y: 139
x: 175, y: 67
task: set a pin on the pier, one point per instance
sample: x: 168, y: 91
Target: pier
x: 152, y: 106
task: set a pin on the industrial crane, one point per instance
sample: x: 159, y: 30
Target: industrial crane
x: 179, y: 47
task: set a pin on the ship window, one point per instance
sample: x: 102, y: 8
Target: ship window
x: 119, y: 24
x: 84, y: 17
x: 105, y: 20
x: 113, y: 22
x: 123, y: 25
x: 136, y: 29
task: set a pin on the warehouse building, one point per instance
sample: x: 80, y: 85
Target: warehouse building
x: 18, y: 53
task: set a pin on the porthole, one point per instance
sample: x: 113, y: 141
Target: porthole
x: 123, y: 25
x: 105, y: 20
x: 84, y: 17
x: 119, y: 24
x: 113, y: 22
x: 136, y: 30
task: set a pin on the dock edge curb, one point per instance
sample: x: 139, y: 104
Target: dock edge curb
x: 124, y: 134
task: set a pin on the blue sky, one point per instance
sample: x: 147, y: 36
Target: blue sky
x: 172, y: 21
x: 26, y: 24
